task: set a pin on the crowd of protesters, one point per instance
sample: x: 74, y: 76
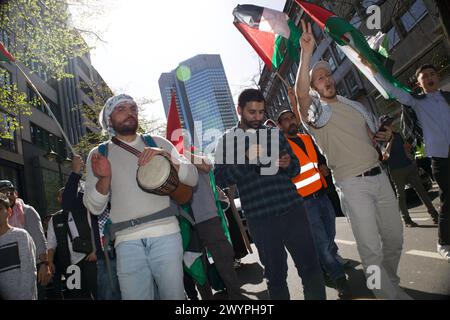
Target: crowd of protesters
x: 113, y: 239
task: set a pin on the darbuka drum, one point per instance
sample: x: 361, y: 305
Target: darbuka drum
x: 160, y: 177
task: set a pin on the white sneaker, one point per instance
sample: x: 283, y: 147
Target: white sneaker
x: 444, y: 251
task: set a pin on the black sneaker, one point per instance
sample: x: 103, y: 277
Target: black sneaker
x: 411, y: 224
x: 435, y: 219
x: 343, y: 289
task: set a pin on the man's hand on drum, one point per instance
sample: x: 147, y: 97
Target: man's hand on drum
x: 101, y: 167
x: 149, y: 153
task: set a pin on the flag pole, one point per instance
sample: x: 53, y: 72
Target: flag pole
x: 48, y: 109
x: 282, y: 80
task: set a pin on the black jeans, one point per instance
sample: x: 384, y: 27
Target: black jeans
x: 292, y: 231
x: 441, y: 173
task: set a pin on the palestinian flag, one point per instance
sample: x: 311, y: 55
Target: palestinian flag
x: 192, y: 247
x: 173, y: 124
x: 353, y: 43
x: 5, y: 55
x: 271, y: 33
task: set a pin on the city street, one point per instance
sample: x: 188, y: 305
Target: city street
x: 424, y: 274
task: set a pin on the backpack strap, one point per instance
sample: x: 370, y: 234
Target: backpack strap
x: 148, y: 140
x: 103, y: 148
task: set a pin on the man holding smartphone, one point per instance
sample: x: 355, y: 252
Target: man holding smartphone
x: 275, y: 213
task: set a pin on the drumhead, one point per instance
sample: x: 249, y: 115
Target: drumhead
x: 154, y: 173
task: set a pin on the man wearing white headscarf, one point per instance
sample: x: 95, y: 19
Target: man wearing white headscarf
x: 149, y: 251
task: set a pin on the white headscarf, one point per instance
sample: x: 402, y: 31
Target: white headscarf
x: 108, y: 108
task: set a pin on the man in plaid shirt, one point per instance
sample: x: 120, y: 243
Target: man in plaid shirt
x: 275, y: 214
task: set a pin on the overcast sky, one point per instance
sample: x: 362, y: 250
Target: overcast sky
x: 145, y: 38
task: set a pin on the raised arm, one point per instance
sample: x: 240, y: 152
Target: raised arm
x: 294, y: 104
x: 70, y: 201
x: 302, y: 82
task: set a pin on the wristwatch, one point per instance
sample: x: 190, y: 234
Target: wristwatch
x: 45, y: 262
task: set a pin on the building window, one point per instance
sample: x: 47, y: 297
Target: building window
x: 318, y: 34
x: 51, y: 184
x: 36, y: 102
x: 328, y: 57
x: 47, y: 141
x: 87, y: 90
x: 393, y: 37
x: 338, y: 53
x: 10, y: 143
x: 414, y: 14
x: 352, y: 84
x: 355, y: 21
x: 291, y: 78
x: 39, y: 69
x: 5, y: 38
x: 5, y: 77
x: 341, y: 90
x: 368, y: 3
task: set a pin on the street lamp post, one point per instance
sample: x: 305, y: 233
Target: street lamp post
x: 55, y: 157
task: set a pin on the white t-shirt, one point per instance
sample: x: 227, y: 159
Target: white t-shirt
x: 128, y: 200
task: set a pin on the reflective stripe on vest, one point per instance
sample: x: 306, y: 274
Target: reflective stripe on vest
x: 310, y: 179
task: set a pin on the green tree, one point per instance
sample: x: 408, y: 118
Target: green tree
x: 14, y: 103
x: 41, y: 35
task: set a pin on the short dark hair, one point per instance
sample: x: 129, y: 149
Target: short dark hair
x: 4, y: 201
x: 423, y: 67
x: 249, y: 95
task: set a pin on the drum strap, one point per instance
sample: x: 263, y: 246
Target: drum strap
x: 125, y: 146
x: 148, y: 140
x: 172, y: 210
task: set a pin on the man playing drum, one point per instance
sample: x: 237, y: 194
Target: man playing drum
x: 147, y: 238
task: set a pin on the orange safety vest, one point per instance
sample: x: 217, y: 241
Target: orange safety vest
x: 310, y: 179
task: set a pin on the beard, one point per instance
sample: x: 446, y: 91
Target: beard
x: 329, y: 92
x: 292, y: 130
x: 127, y: 127
x: 252, y: 124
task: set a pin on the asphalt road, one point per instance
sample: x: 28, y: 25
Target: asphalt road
x: 423, y: 273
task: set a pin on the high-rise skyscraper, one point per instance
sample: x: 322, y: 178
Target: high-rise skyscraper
x: 203, y: 95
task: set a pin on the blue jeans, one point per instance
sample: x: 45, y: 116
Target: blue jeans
x: 291, y: 230
x: 323, y: 227
x: 107, y: 289
x: 145, y: 262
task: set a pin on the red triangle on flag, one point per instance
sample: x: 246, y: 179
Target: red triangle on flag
x: 4, y: 54
x: 263, y: 42
x: 173, y: 124
x: 319, y: 14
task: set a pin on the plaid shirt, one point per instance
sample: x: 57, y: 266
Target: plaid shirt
x: 261, y: 195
